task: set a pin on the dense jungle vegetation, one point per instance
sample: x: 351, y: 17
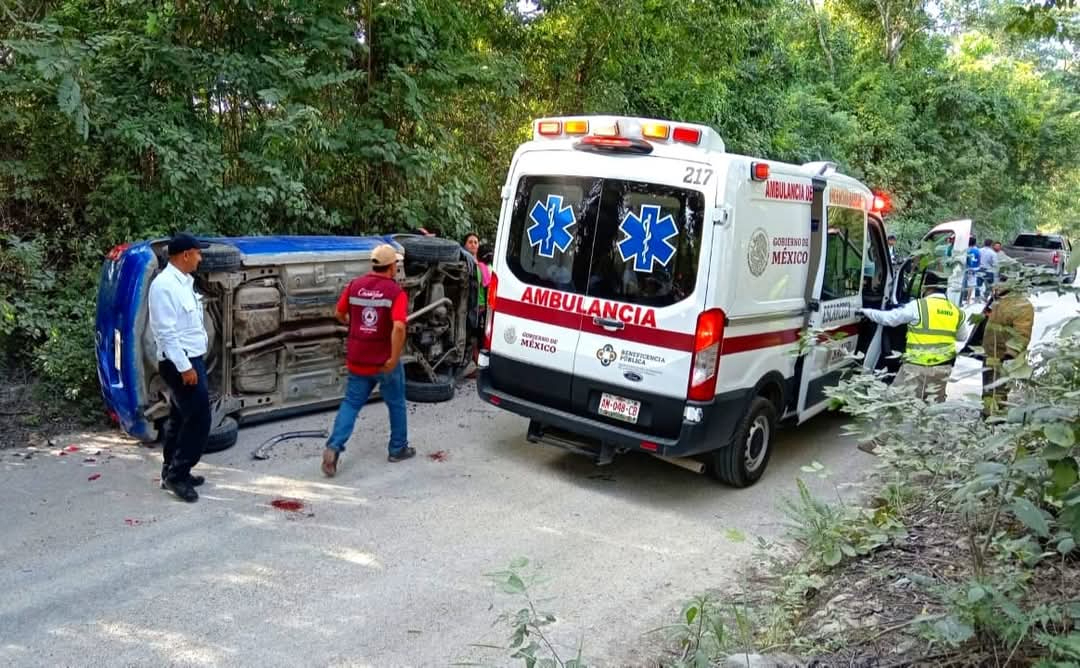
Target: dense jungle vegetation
x: 122, y: 120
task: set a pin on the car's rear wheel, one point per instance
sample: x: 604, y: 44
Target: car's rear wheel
x: 428, y: 393
x: 223, y: 436
x: 743, y: 462
x: 430, y: 249
x: 219, y: 257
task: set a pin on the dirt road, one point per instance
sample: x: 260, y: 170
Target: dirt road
x: 385, y: 564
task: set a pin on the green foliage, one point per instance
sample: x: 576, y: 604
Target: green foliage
x: 528, y: 641
x: 129, y: 120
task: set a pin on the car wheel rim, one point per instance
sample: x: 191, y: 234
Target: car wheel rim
x: 757, y: 443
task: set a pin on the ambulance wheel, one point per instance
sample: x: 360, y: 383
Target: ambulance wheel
x: 430, y: 393
x: 743, y: 462
x: 430, y: 249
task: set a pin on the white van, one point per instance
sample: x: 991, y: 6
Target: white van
x: 650, y: 289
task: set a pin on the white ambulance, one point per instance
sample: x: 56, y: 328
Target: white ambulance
x: 650, y: 289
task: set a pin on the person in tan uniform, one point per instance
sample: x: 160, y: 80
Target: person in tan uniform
x: 1008, y: 333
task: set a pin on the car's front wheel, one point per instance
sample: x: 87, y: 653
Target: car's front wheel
x: 428, y: 393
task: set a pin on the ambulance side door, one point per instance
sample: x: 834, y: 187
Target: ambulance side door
x: 838, y: 299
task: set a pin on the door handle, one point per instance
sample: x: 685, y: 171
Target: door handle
x: 608, y: 323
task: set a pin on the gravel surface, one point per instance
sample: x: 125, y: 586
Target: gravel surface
x: 383, y: 565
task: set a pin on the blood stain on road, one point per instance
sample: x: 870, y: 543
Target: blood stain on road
x: 439, y: 456
x: 287, y: 505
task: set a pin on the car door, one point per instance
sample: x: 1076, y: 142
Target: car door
x: 838, y: 300
x: 644, y: 296
x: 544, y: 273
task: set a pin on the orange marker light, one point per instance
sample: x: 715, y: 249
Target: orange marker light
x: 576, y: 127
x: 655, y: 130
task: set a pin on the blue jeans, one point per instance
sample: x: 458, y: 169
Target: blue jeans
x: 392, y: 387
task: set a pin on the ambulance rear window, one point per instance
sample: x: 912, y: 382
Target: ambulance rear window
x: 627, y: 241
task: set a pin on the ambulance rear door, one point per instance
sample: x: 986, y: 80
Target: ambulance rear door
x: 646, y: 288
x: 542, y: 260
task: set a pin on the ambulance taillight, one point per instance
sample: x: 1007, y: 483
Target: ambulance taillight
x: 489, y: 324
x: 707, y: 341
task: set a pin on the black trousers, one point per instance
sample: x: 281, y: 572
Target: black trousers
x: 189, y: 420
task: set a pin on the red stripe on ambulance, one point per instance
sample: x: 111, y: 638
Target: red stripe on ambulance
x: 577, y: 311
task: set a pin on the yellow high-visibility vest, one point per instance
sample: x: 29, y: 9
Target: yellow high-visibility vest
x: 932, y: 340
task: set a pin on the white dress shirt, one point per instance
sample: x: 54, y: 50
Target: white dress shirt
x: 908, y: 314
x: 176, y: 318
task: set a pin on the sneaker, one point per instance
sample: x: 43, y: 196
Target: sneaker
x: 401, y: 455
x: 329, y: 462
x: 182, y: 490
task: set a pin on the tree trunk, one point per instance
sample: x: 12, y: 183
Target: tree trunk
x: 820, y: 21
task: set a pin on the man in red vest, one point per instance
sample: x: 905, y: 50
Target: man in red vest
x: 375, y: 308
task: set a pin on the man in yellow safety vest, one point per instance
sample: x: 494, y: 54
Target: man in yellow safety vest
x: 934, y: 325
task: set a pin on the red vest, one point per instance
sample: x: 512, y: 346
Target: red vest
x: 370, y: 322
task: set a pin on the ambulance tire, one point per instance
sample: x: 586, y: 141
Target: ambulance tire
x: 430, y: 393
x: 742, y: 463
x: 430, y: 249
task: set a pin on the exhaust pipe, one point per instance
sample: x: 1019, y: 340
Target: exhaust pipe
x: 684, y: 463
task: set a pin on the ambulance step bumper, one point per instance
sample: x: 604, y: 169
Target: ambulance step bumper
x: 714, y: 431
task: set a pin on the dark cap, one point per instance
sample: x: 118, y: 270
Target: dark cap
x: 184, y: 242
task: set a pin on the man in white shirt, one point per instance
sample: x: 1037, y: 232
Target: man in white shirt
x: 176, y: 320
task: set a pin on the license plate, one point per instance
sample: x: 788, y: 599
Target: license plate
x: 619, y: 408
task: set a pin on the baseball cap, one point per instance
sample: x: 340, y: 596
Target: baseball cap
x: 385, y: 255
x: 183, y: 241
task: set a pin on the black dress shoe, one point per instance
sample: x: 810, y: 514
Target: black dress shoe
x: 183, y: 490
x: 193, y: 480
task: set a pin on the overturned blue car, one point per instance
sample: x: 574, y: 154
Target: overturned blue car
x: 276, y: 348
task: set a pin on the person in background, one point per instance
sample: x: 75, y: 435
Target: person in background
x: 483, y: 278
x: 893, y: 259
x: 987, y: 268
x: 176, y: 321
x: 376, y: 310
x: 971, y: 270
x: 998, y: 250
x: 1010, y: 318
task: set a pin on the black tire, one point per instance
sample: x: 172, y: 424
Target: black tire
x: 219, y: 257
x: 743, y: 462
x: 430, y: 393
x: 430, y: 249
x: 223, y: 436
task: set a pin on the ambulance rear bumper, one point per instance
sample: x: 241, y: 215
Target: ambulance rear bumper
x: 714, y: 431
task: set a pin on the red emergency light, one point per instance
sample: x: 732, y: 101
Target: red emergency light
x: 686, y: 135
x: 881, y: 203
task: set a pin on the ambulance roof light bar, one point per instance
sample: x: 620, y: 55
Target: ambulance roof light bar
x: 669, y: 133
